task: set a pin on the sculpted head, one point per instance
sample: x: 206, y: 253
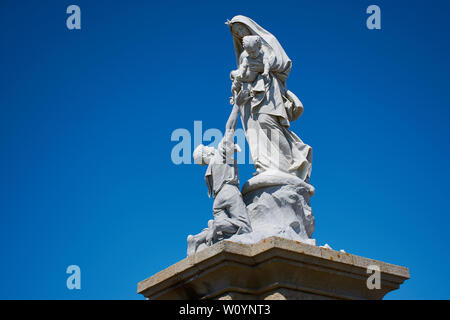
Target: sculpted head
x: 240, y: 30
x: 202, y: 155
x: 252, y: 44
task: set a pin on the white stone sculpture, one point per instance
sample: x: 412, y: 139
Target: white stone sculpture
x: 222, y: 179
x: 256, y: 55
x: 277, y: 198
x: 267, y: 115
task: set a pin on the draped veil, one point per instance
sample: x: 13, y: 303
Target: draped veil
x: 266, y: 117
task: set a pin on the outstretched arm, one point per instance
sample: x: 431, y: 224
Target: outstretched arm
x: 226, y: 146
x: 232, y: 120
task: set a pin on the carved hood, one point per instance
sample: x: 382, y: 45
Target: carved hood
x: 282, y: 65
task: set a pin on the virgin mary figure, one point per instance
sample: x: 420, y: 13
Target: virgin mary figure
x: 267, y: 111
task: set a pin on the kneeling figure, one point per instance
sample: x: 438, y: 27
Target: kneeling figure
x: 222, y: 179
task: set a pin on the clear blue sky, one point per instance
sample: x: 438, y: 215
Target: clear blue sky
x: 86, y: 117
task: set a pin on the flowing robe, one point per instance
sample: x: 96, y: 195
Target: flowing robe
x: 266, y: 116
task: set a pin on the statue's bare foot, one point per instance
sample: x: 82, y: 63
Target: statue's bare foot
x: 192, y: 245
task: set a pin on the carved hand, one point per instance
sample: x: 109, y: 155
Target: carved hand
x: 242, y: 97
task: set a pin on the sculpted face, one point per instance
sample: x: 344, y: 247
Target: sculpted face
x: 208, y: 153
x: 252, y: 44
x: 240, y: 30
x: 202, y: 155
x: 253, y: 51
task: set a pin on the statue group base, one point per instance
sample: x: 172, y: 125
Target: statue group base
x: 272, y: 269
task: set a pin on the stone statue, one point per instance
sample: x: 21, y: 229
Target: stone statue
x: 278, y: 196
x: 255, y: 56
x: 222, y: 180
x: 276, y: 201
x: 266, y: 117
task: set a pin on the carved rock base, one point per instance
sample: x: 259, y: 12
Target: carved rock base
x: 278, y: 205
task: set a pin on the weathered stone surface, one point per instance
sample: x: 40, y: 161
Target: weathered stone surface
x: 274, y: 268
x: 278, y: 204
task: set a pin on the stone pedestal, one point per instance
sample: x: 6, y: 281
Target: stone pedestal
x: 274, y: 268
